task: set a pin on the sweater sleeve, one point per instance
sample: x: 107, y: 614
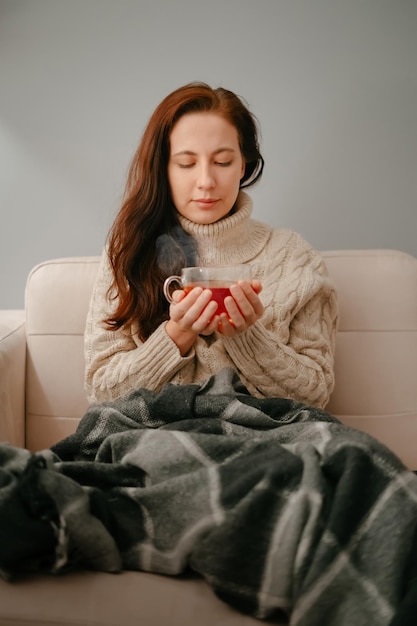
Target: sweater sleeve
x: 116, y: 361
x: 289, y: 352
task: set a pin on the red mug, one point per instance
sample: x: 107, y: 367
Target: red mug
x: 218, y: 279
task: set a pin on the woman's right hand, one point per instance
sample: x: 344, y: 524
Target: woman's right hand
x: 190, y: 315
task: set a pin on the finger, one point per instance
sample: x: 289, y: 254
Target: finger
x: 205, y: 322
x: 250, y: 290
x: 180, y: 308
x: 178, y: 295
x: 195, y: 311
x: 235, y: 318
x: 201, y: 311
x: 211, y: 327
x: 247, y: 300
x: 242, y: 306
x: 225, y: 326
x: 257, y: 286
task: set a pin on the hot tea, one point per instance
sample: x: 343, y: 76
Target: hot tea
x: 220, y: 291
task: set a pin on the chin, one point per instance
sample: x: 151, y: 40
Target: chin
x: 212, y: 217
x: 203, y: 218
x: 210, y: 220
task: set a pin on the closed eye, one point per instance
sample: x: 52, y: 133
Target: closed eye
x: 223, y: 163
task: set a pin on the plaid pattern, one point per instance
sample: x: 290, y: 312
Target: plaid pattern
x: 281, y: 508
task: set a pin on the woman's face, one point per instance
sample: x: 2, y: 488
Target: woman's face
x: 205, y: 167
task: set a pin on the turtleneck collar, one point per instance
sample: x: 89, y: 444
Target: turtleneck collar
x: 234, y: 239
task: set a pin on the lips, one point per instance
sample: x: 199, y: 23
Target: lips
x: 206, y: 202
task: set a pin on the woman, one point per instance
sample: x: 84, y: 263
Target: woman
x: 184, y: 206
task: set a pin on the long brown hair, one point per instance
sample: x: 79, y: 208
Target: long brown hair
x: 148, y: 213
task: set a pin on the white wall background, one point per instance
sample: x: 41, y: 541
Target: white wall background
x: 332, y: 82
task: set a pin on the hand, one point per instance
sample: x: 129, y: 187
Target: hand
x: 243, y: 306
x: 190, y: 315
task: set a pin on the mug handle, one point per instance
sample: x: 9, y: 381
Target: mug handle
x: 167, y: 284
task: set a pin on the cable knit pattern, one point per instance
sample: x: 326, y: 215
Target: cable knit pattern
x: 289, y: 352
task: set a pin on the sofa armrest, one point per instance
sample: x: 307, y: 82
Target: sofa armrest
x: 12, y: 377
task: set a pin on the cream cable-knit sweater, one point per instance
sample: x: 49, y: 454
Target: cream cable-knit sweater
x: 289, y: 352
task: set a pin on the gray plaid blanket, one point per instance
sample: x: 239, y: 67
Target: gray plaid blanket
x: 282, y: 509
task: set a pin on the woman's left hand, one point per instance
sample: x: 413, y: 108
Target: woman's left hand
x: 243, y: 306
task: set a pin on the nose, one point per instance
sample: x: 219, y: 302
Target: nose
x: 205, y: 177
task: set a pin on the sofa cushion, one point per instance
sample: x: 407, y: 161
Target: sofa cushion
x: 126, y: 599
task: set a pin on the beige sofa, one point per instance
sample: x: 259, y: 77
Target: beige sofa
x: 42, y: 399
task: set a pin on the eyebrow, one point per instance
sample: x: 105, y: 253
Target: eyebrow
x: 191, y: 153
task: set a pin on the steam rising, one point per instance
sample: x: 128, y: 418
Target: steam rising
x: 175, y: 250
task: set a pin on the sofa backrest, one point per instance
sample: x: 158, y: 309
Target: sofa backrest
x: 56, y: 302
x: 376, y: 352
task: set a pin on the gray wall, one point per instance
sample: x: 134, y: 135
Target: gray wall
x: 332, y: 82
